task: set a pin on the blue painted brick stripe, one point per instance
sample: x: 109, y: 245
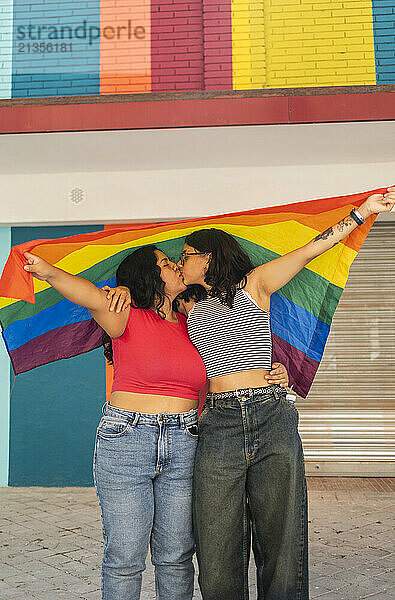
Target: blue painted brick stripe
x: 6, y: 14
x: 51, y: 72
x: 384, y: 39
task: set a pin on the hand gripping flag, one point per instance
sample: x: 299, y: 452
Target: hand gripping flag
x: 40, y: 326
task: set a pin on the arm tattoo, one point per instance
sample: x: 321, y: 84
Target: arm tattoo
x: 346, y: 222
x: 324, y: 235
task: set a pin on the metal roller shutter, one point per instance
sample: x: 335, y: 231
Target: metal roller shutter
x: 347, y: 423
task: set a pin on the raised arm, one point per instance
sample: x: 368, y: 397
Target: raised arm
x: 271, y: 276
x: 80, y: 291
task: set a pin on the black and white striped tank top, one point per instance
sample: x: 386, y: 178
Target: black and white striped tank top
x: 231, y: 339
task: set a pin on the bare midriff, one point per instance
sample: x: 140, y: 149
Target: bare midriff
x: 148, y: 403
x: 253, y: 378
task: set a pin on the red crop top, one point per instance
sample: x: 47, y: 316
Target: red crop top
x: 154, y: 356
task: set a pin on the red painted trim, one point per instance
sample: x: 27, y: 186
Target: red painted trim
x: 345, y: 107
x: 197, y: 112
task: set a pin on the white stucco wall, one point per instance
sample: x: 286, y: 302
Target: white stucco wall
x: 181, y: 173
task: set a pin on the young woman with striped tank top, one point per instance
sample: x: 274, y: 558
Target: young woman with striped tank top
x: 249, y: 465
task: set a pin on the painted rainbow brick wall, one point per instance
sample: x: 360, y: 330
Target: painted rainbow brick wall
x: 137, y: 46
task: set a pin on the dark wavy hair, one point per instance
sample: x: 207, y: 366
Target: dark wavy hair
x: 229, y: 264
x: 140, y: 273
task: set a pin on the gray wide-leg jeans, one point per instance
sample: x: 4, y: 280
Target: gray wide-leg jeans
x: 249, y: 478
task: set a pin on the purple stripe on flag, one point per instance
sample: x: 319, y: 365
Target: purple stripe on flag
x: 301, y: 370
x: 62, y: 342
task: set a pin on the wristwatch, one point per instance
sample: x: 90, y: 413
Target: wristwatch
x: 358, y: 218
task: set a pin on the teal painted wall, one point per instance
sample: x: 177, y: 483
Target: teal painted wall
x: 55, y: 409
x: 5, y: 245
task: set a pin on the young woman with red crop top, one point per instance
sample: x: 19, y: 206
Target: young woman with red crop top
x: 146, y: 440
x: 249, y: 467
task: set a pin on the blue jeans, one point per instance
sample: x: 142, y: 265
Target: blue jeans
x: 143, y: 469
x: 249, y: 480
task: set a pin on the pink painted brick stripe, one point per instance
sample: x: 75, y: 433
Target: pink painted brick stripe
x: 177, y: 41
x: 217, y: 28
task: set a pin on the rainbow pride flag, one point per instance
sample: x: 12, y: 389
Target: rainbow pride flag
x: 39, y: 326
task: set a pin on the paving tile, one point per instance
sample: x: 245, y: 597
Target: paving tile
x: 64, y: 580
x: 8, y: 571
x: 386, y: 562
x: 82, y: 588
x: 387, y: 594
x: 56, y: 559
x: 369, y: 570
x: 357, y: 592
x: 321, y: 585
x: 16, y: 595
x: 20, y: 579
x: 386, y: 579
x: 96, y: 595
x: 57, y: 595
x: 36, y: 588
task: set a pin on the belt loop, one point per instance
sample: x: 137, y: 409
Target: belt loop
x: 104, y: 407
x: 237, y: 393
x: 211, y: 401
x: 135, y: 420
x: 182, y: 420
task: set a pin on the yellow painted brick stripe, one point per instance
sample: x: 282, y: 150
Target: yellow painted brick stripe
x: 241, y: 42
x: 316, y: 44
x: 248, y: 45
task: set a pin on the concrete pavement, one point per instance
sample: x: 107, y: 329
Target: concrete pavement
x: 51, y: 542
